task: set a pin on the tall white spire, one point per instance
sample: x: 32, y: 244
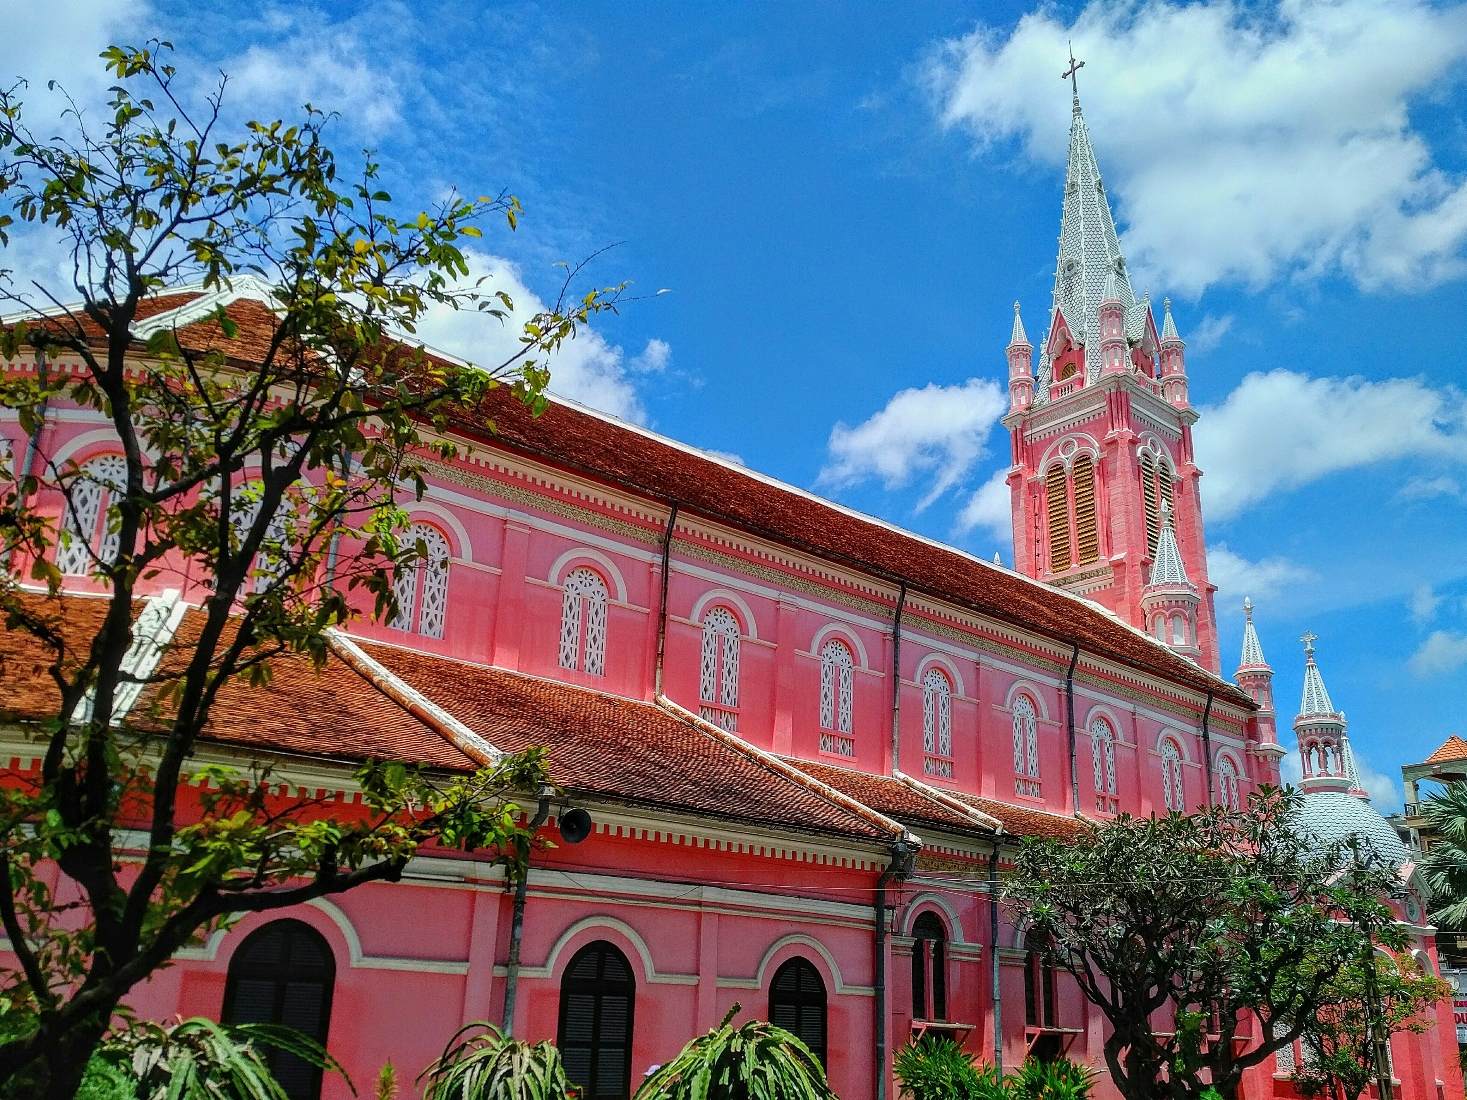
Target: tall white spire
x: 1168, y: 326
x: 1252, y: 648
x: 1316, y: 698
x: 1019, y: 336
x: 1167, y: 567
x: 1089, y: 250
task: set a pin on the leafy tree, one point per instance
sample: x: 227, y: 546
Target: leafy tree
x: 1347, y: 1040
x: 1202, y: 921
x: 267, y: 462
x: 482, y: 1063
x: 758, y: 1061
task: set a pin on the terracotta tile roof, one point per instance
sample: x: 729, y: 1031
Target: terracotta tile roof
x: 579, y: 440
x: 615, y: 748
x: 1022, y: 821
x: 148, y: 307
x: 28, y: 693
x: 891, y: 797
x: 1453, y: 748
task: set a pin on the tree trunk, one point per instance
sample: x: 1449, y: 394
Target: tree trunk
x: 57, y: 1065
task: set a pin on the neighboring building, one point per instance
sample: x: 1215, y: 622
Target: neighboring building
x: 800, y: 806
x: 1448, y: 764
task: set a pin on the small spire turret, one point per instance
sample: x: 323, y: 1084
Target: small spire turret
x: 1169, y: 600
x: 1021, y: 365
x: 1173, y: 361
x: 1255, y: 676
x: 1324, y: 750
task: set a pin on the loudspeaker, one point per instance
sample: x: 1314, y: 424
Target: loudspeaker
x: 575, y: 825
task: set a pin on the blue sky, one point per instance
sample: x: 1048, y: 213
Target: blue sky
x: 846, y: 199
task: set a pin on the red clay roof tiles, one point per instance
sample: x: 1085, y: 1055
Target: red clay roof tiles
x: 1453, y: 748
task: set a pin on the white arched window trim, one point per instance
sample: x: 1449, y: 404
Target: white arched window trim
x: 836, y: 706
x: 87, y: 522
x: 421, y: 586
x: 1026, y: 747
x: 719, y: 674
x: 937, y: 723
x: 1173, y: 792
x: 1228, y: 781
x: 1103, y: 755
x: 583, y: 622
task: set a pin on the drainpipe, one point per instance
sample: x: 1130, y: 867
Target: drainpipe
x: 896, y: 682
x: 662, y: 603
x: 1070, y: 729
x: 993, y: 936
x: 1207, y: 747
x: 902, y: 858
x: 517, y: 925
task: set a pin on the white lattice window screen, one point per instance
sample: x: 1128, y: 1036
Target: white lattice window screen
x: 720, y: 678
x: 271, y: 559
x: 1103, y: 744
x: 937, y: 713
x: 1227, y: 783
x: 1284, y: 1056
x: 422, y: 587
x: 836, y: 686
x: 583, y: 622
x: 1026, y: 747
x: 7, y: 460
x: 1171, y: 776
x: 86, y: 515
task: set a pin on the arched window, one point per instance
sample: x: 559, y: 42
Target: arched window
x: 271, y: 560
x: 583, y: 622
x: 937, y: 724
x: 597, y: 1000
x: 929, y: 968
x: 284, y: 973
x: 1172, y: 792
x: 422, y: 584
x: 1179, y: 630
x: 1156, y: 490
x: 836, y: 670
x: 87, y: 523
x: 797, y: 1004
x: 1227, y: 782
x: 1026, y: 747
x: 1103, y: 756
x: 720, y: 680
x: 1056, y: 494
x: 1087, y: 535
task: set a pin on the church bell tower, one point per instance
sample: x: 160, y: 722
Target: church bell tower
x: 1103, y: 484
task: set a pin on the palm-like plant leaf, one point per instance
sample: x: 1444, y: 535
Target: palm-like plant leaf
x: 197, y: 1059
x: 490, y: 1066
x: 755, y: 1062
x: 1445, y: 864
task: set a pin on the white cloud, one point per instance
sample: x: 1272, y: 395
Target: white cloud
x: 939, y: 430
x: 1236, y: 576
x: 1281, y: 430
x: 1209, y: 332
x: 1425, y: 488
x: 990, y: 508
x: 587, y: 369
x: 61, y: 40
x: 1423, y: 603
x: 1240, y: 141
x: 654, y: 358
x: 1443, y: 652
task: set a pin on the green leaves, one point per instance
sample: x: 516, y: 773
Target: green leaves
x: 490, y: 1066
x: 755, y: 1062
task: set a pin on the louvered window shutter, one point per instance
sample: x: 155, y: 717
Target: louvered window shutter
x: 597, y: 1001
x: 797, y: 1004
x: 1087, y: 538
x: 1059, y: 519
x: 1151, y: 503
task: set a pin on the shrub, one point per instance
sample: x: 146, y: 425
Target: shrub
x: 755, y: 1062
x: 492, y: 1066
x: 1061, y: 1079
x: 936, y: 1068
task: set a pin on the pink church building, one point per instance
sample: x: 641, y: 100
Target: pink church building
x: 807, y: 740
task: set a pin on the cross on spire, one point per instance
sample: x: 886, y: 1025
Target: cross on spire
x: 1309, y: 639
x: 1069, y: 74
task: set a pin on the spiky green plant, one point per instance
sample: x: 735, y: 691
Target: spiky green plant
x: 755, y: 1062
x: 491, y: 1066
x: 936, y: 1068
x: 387, y: 1082
x: 197, y: 1059
x: 1061, y: 1079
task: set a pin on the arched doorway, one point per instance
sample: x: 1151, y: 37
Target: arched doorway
x: 797, y: 1003
x: 597, y: 1000
x: 284, y: 973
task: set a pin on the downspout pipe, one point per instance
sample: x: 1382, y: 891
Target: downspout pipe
x: 517, y: 924
x: 1070, y: 729
x: 896, y: 682
x: 993, y: 956
x: 662, y: 600
x: 903, y: 857
x: 1207, y: 746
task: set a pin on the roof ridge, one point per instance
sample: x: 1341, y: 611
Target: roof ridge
x: 789, y: 771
